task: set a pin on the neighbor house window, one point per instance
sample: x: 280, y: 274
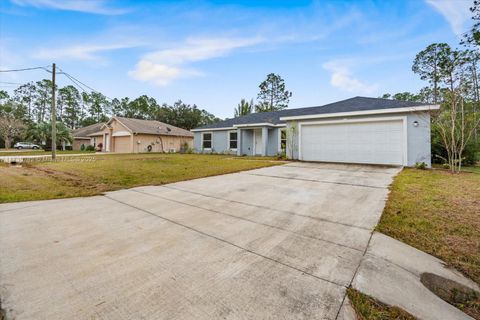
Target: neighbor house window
x: 283, y: 140
x: 232, y: 138
x: 206, y: 140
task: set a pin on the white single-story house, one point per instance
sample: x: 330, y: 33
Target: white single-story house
x: 356, y: 130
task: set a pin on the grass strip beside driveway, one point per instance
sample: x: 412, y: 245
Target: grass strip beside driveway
x: 368, y: 308
x: 91, y: 175
x: 439, y: 213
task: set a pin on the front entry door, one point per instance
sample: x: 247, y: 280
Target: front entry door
x: 257, y: 143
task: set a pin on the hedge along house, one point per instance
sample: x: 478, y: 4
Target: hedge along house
x: 127, y: 135
x: 356, y: 130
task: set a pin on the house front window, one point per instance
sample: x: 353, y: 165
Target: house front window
x: 232, y: 138
x: 207, y: 140
x: 283, y: 140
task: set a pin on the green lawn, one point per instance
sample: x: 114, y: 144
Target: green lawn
x: 93, y: 174
x: 24, y: 152
x: 438, y: 213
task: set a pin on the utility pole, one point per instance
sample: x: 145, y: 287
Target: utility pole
x: 54, y: 117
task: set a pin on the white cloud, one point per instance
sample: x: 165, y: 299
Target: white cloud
x: 456, y: 12
x: 160, y: 74
x: 79, y: 52
x: 342, y: 78
x: 87, y: 6
x: 163, y: 66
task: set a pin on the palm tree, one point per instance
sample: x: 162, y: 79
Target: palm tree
x: 41, y: 132
x: 64, y: 134
x: 243, y: 108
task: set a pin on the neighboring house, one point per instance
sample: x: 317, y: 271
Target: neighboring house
x: 87, y: 136
x: 356, y: 130
x: 126, y: 135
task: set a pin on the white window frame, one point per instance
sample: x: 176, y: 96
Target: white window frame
x: 280, y: 139
x: 211, y: 140
x: 228, y: 140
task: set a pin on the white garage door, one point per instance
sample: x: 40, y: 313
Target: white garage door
x: 379, y: 142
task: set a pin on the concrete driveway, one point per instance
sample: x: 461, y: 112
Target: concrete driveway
x: 273, y: 243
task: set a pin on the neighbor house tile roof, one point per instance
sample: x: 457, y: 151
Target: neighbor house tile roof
x: 86, y: 131
x: 153, y: 127
x: 349, y: 105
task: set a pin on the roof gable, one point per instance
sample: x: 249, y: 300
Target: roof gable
x: 140, y: 126
x: 86, y: 131
x: 135, y: 126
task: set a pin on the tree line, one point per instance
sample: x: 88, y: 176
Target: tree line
x: 452, y: 81
x: 25, y: 114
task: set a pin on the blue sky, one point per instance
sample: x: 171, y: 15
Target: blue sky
x: 213, y: 53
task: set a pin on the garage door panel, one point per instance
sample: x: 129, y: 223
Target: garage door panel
x: 363, y: 142
x: 122, y: 144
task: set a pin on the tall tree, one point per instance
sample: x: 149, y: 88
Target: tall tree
x: 25, y: 95
x: 120, y: 106
x: 243, y: 108
x: 472, y: 37
x: 10, y: 128
x: 9, y: 107
x: 426, y: 95
x: 456, y: 123
x: 98, y: 106
x: 143, y: 107
x: 426, y: 64
x: 273, y: 96
x: 184, y: 115
x: 406, y: 96
x: 69, y: 106
x: 43, y: 99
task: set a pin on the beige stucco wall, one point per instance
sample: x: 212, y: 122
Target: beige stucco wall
x: 117, y: 126
x: 117, y: 144
x: 77, y: 143
x: 159, y: 143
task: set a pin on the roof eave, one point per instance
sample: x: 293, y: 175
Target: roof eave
x: 361, y: 113
x: 212, y: 129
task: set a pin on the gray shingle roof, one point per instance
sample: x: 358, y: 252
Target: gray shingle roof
x: 85, y: 131
x: 348, y: 105
x: 153, y: 127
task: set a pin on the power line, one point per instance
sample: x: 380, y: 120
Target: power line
x: 25, y: 69
x: 72, y: 77
x: 74, y: 83
x: 80, y: 83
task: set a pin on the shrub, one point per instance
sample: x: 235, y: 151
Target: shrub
x: 281, y: 155
x: 90, y: 148
x: 184, y: 148
x: 421, y: 165
x: 82, y: 147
